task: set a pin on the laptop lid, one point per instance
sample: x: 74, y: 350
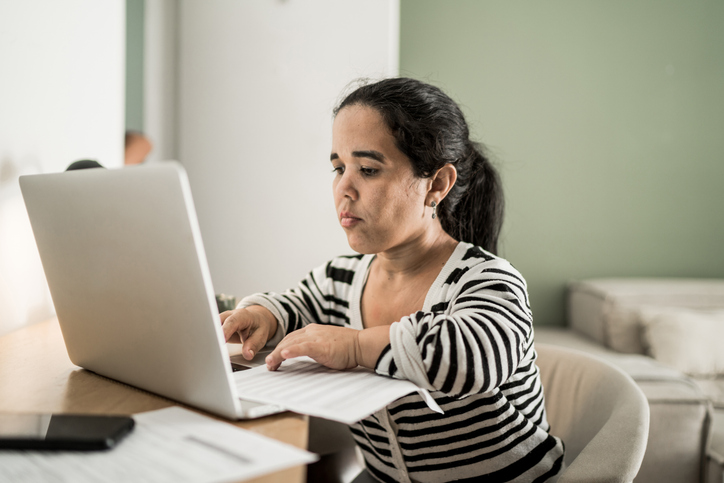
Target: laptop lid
x: 128, y: 275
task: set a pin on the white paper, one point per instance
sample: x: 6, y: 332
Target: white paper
x: 168, y: 445
x: 306, y: 387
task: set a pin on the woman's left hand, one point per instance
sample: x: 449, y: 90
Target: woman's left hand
x: 332, y: 346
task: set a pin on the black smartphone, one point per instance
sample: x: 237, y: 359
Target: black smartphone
x: 80, y: 432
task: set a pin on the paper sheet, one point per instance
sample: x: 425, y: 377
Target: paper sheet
x: 168, y: 445
x: 307, y: 387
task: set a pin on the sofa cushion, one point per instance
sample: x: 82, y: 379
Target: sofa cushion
x: 687, y: 340
x: 713, y: 389
x: 608, y: 310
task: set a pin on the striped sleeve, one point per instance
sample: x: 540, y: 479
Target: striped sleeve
x: 473, y: 343
x: 321, y: 298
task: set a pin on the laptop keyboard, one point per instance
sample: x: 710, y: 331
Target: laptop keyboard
x: 238, y: 367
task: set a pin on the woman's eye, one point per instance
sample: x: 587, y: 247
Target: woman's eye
x: 338, y: 169
x: 368, y: 171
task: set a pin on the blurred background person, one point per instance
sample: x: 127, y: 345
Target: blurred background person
x: 137, y: 147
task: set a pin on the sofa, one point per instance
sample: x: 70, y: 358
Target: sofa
x: 668, y: 335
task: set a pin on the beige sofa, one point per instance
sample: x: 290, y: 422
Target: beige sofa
x: 667, y: 335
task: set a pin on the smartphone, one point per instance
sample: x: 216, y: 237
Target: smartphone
x: 79, y: 432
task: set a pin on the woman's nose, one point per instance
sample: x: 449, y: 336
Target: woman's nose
x: 345, y: 186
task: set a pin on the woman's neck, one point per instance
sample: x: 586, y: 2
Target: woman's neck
x: 430, y: 251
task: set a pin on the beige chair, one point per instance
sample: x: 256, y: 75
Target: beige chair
x: 598, y: 411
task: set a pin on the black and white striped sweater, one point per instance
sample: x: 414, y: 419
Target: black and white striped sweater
x: 471, y: 345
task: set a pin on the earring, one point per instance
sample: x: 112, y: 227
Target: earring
x: 433, y: 205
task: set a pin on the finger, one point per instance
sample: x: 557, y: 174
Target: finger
x: 275, y: 359
x: 222, y: 318
x: 253, y: 342
x: 224, y: 315
x: 234, y: 323
x: 298, y: 350
x: 290, y: 350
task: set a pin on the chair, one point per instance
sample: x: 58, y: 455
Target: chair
x: 598, y: 411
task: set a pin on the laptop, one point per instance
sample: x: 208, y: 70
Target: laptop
x: 123, y: 257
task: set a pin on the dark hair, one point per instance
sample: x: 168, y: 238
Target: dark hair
x: 430, y: 129
x: 83, y: 164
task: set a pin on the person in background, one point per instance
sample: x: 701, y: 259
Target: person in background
x: 426, y: 299
x: 137, y: 148
x: 84, y: 164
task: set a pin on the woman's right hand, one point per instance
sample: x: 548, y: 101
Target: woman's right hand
x: 252, y: 326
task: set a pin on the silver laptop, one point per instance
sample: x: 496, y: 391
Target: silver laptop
x: 127, y: 271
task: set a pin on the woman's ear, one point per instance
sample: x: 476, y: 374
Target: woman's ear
x: 442, y: 182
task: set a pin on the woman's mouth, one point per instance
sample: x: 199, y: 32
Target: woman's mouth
x: 347, y: 219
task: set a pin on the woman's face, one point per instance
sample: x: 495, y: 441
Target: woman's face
x: 380, y: 202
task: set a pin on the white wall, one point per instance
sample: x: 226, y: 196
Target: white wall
x: 160, y: 77
x: 61, y: 99
x: 257, y: 83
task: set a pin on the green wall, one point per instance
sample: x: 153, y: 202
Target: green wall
x: 607, y: 121
x: 134, y: 64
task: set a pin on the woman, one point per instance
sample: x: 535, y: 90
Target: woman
x: 427, y: 300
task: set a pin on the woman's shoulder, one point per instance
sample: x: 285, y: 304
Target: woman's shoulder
x: 476, y: 262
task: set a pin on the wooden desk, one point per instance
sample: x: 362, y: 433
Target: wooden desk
x: 37, y: 376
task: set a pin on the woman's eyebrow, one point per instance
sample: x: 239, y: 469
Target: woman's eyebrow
x: 372, y: 154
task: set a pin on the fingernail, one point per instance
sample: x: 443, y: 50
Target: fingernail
x: 251, y: 353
